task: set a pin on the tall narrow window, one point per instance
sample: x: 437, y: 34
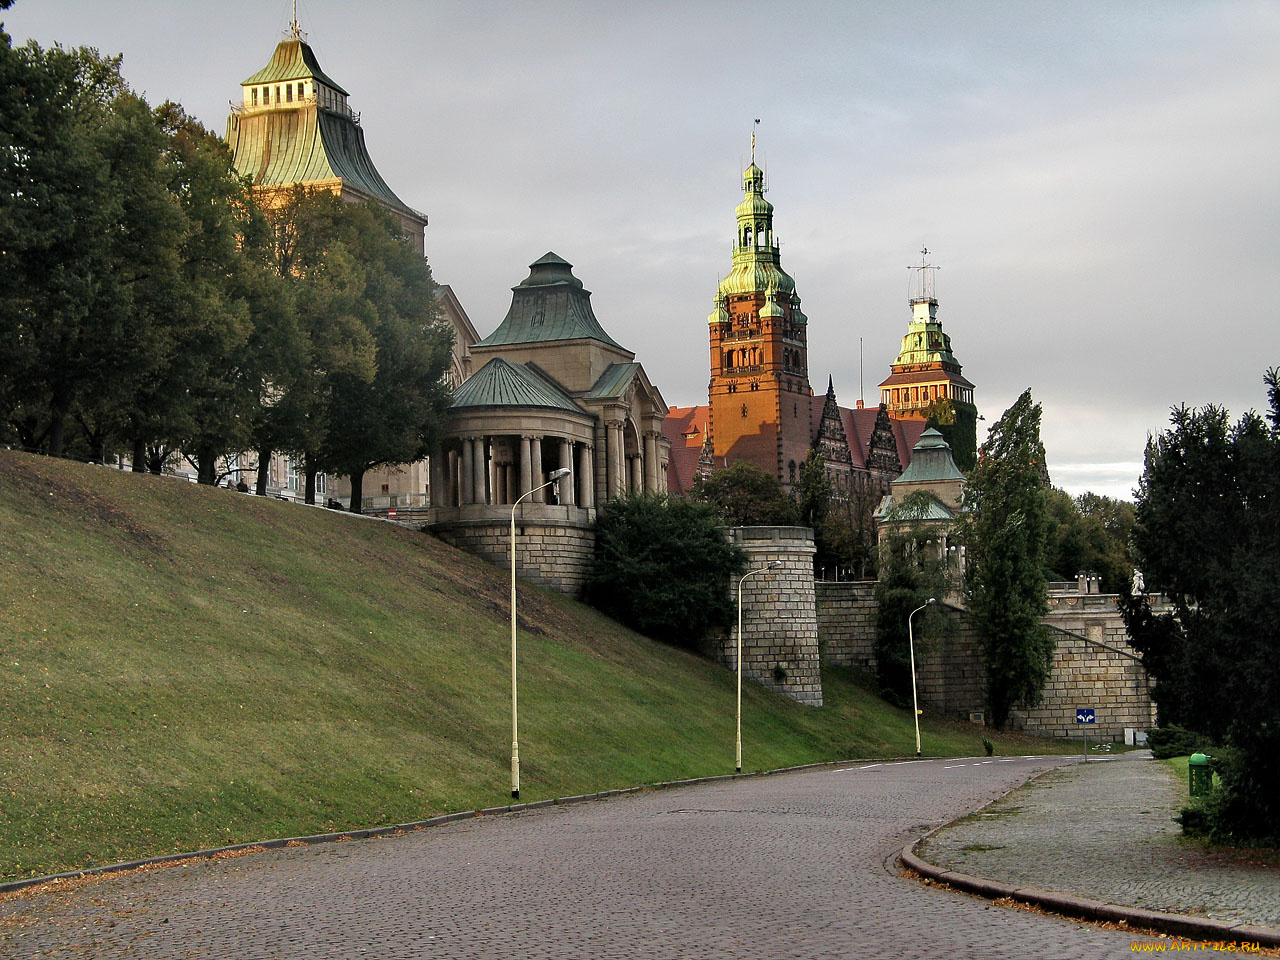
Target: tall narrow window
x: 255, y: 96
x: 288, y: 92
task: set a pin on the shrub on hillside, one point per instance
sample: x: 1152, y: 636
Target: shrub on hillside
x: 1172, y: 740
x: 662, y: 567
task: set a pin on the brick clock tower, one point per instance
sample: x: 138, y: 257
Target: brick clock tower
x: 759, y: 392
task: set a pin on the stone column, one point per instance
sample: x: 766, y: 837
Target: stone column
x: 636, y: 465
x: 566, y: 482
x: 499, y: 484
x: 614, y: 462
x: 482, y: 469
x: 586, y: 477
x: 650, y: 462
x: 526, y: 468
x: 468, y: 470
x: 662, y: 477
x: 513, y: 481
x: 437, y: 464
x: 538, y: 477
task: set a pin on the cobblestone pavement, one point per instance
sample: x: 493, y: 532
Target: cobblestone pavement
x: 1106, y: 831
x: 791, y: 866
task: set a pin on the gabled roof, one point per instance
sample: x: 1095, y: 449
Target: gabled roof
x: 549, y: 304
x: 685, y: 427
x: 293, y: 60
x: 501, y: 383
x: 860, y: 424
x: 614, y: 381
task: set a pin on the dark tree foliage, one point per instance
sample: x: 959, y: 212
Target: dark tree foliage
x: 1089, y: 533
x: 745, y: 496
x: 663, y: 567
x: 958, y: 424
x: 911, y: 571
x: 1207, y: 536
x: 1004, y: 528
x: 393, y: 416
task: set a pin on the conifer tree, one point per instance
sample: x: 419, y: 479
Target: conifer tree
x: 1004, y: 528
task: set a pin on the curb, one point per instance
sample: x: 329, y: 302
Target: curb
x: 1177, y: 924
x: 213, y: 853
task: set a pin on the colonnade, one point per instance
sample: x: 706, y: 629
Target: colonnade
x: 496, y: 469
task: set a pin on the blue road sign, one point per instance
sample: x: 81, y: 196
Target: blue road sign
x: 1084, y: 715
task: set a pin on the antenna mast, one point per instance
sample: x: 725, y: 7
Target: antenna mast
x: 295, y: 29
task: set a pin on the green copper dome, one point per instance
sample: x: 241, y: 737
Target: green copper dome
x: 756, y: 265
x: 719, y: 314
x: 771, y: 308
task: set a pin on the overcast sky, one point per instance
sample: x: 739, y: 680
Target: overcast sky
x: 1099, y: 182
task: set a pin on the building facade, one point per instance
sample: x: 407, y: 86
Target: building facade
x: 760, y: 405
x: 295, y: 127
x: 553, y: 391
x: 926, y: 382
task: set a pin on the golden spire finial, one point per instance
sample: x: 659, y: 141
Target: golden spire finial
x: 753, y: 140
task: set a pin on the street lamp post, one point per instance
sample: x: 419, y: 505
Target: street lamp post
x: 738, y: 740
x: 911, y: 645
x: 515, y: 735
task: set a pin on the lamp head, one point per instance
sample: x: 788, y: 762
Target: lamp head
x: 775, y: 563
x: 561, y: 472
x: 931, y: 600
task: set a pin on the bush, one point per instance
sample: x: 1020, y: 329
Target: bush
x: 662, y: 567
x: 1172, y: 740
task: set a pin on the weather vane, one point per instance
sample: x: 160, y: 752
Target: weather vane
x: 753, y: 140
x: 926, y: 274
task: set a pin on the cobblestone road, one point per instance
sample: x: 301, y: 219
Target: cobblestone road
x: 1106, y: 831
x: 790, y: 866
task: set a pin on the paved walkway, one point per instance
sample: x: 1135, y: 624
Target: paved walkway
x: 1105, y: 831
x: 801, y: 866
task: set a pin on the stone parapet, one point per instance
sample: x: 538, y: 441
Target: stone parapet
x: 779, y: 619
x: 554, y: 547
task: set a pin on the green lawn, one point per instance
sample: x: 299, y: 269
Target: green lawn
x: 182, y: 667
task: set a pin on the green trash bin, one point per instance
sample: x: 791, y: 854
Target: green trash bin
x: 1199, y: 775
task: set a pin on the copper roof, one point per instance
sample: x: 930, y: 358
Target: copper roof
x: 292, y: 60
x: 501, y: 383
x: 308, y: 144
x: 549, y: 304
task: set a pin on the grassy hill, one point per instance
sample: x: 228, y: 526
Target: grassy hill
x: 182, y: 667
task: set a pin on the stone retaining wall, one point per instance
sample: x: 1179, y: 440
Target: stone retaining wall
x: 847, y: 623
x: 1093, y: 664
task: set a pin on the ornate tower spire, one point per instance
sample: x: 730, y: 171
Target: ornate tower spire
x: 926, y: 382
x: 759, y: 391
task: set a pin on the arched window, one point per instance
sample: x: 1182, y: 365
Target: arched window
x: 791, y: 470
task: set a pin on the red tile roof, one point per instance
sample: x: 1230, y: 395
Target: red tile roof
x: 685, y: 428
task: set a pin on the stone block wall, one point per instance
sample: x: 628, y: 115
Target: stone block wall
x: 551, y: 552
x: 1105, y: 679
x: 779, y: 618
x: 950, y: 677
x: 847, y: 622
x: 1093, y: 664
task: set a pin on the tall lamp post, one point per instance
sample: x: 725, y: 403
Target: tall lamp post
x: 738, y: 741
x: 911, y: 645
x: 515, y: 735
